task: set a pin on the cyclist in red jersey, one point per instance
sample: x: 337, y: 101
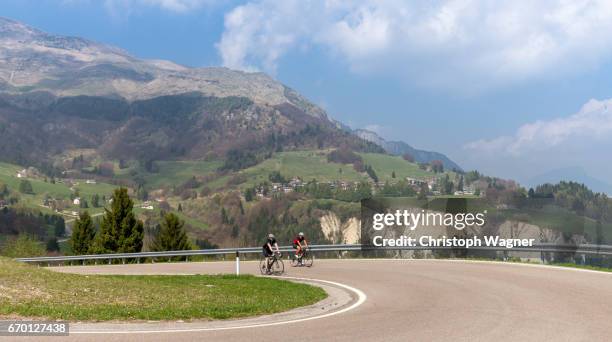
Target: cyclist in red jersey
x: 299, y: 243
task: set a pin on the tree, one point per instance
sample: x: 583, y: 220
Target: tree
x: 437, y: 166
x: 83, y: 204
x: 60, y: 227
x: 171, y: 235
x: 4, y: 190
x: 408, y: 157
x: 83, y: 234
x: 25, y: 187
x: 120, y: 231
x: 370, y: 171
x: 460, y: 185
x: 224, y: 217
x: 446, y: 186
x: 276, y: 177
x: 53, y: 245
x: 249, y: 194
x: 142, y: 193
x: 95, y: 201
x: 180, y: 208
x: 393, y: 174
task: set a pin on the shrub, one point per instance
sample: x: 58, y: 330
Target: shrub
x: 24, y: 246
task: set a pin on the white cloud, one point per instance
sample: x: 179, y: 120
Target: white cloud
x: 175, y: 5
x: 124, y: 8
x: 592, y: 124
x: 449, y: 43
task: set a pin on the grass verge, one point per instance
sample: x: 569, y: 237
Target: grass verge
x: 28, y: 291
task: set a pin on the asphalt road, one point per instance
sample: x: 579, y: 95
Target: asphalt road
x: 423, y: 300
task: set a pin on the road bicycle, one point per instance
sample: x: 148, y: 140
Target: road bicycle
x: 305, y: 259
x: 272, y: 265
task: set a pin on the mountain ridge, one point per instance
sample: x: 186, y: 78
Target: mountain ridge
x: 71, y: 66
x: 400, y: 148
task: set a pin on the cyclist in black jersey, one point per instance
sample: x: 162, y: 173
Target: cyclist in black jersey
x: 269, y: 248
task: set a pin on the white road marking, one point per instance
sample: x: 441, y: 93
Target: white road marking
x: 361, y: 298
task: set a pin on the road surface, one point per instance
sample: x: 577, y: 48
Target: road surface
x: 422, y: 300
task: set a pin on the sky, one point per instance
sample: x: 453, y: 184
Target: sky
x: 514, y: 89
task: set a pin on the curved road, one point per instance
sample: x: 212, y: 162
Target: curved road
x: 424, y: 300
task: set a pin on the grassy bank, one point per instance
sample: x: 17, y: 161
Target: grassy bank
x: 28, y: 291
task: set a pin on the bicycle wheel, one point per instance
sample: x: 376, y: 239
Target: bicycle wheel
x: 308, y: 259
x: 262, y: 266
x: 278, y: 267
x: 294, y: 261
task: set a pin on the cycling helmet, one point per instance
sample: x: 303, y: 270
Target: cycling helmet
x: 270, y: 236
x: 301, y: 234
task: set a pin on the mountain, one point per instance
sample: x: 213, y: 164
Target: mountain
x: 400, y: 148
x: 576, y: 174
x: 61, y: 93
x: 72, y: 66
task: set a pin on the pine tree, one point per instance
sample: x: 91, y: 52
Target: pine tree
x: 83, y: 234
x: 60, y: 227
x: 142, y: 193
x: 53, y: 245
x: 224, y: 216
x: 171, y: 235
x: 120, y: 231
x: 393, y: 174
x: 25, y: 187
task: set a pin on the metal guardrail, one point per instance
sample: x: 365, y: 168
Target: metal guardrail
x: 539, y: 248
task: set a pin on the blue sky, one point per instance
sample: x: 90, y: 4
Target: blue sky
x: 497, y: 86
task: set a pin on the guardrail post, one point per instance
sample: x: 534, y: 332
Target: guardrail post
x: 237, y: 263
x: 109, y: 261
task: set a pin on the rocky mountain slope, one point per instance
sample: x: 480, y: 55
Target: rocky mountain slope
x: 69, y: 66
x: 59, y: 93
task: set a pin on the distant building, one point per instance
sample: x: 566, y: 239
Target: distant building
x: 90, y: 181
x: 76, y: 201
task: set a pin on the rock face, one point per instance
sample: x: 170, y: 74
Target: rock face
x: 348, y: 232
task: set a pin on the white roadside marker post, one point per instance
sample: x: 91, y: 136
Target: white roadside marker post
x: 237, y: 263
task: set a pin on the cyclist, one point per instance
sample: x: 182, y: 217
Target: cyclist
x: 269, y: 248
x: 299, y: 243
